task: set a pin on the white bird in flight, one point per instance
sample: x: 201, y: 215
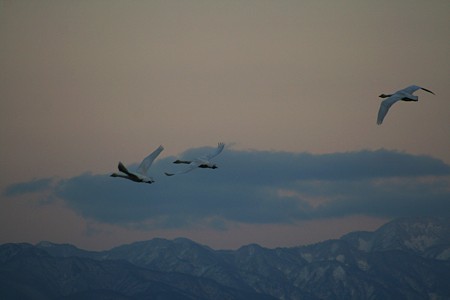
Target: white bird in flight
x: 201, y: 162
x: 405, y: 94
x: 141, y: 174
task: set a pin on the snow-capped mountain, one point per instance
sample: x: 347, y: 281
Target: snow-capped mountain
x: 428, y: 237
x: 404, y: 259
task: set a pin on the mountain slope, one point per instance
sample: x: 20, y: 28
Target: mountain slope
x: 428, y: 237
x: 31, y: 273
x: 403, y: 259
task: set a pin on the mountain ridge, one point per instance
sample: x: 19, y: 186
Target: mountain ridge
x: 404, y: 259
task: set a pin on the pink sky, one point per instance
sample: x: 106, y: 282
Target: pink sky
x: 86, y: 84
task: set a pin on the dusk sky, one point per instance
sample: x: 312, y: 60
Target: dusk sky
x: 291, y: 88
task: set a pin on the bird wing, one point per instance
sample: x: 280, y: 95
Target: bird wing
x: 410, y: 89
x: 123, y: 169
x: 147, y: 162
x: 193, y: 165
x: 216, y: 152
x: 426, y: 90
x: 385, y: 105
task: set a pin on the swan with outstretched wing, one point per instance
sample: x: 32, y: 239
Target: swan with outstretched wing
x: 201, y: 162
x: 405, y: 94
x: 141, y: 174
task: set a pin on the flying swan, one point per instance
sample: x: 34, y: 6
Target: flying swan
x: 405, y: 94
x: 141, y: 174
x: 201, y: 162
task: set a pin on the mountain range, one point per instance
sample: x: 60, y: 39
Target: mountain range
x: 406, y: 258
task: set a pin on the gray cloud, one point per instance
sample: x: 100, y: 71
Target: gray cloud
x: 33, y: 186
x: 263, y: 187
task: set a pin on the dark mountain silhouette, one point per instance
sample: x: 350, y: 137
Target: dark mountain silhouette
x: 405, y: 259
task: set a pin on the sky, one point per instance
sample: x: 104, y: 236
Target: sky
x: 291, y: 87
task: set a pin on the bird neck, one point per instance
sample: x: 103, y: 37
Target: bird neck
x: 118, y: 175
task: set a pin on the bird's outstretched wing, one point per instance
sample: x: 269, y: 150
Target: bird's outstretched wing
x: 216, y: 152
x: 123, y: 169
x: 147, y: 162
x: 412, y: 88
x: 385, y: 105
x: 193, y: 165
x: 426, y: 90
